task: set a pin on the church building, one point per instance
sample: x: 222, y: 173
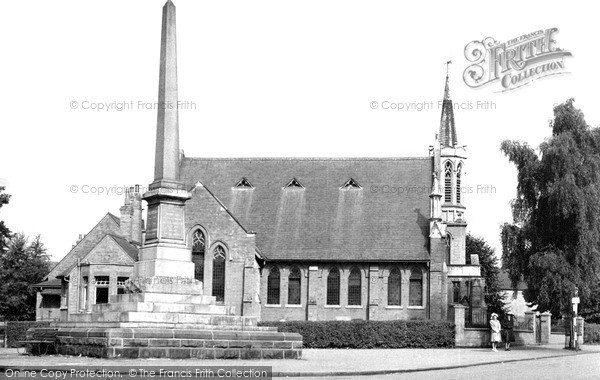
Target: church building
x: 292, y: 238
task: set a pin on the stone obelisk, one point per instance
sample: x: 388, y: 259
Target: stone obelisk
x: 165, y: 260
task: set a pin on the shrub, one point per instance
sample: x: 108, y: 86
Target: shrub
x: 591, y: 333
x: 17, y: 330
x: 370, y: 334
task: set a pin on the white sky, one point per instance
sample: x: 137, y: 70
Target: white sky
x: 268, y: 78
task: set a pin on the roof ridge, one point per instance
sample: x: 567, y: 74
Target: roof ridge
x: 308, y: 158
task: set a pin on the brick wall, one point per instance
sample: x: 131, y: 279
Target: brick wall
x: 220, y: 228
x: 374, y: 291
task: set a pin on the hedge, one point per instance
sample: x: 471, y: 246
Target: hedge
x: 370, y: 334
x: 591, y: 333
x: 17, y: 330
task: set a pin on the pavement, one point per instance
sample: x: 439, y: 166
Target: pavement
x: 332, y: 362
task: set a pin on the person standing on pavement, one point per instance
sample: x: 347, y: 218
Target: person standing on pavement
x: 495, y: 326
x: 509, y: 335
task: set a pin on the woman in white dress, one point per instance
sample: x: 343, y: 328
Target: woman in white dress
x: 495, y: 326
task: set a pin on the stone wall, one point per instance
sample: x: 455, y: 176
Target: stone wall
x: 480, y: 337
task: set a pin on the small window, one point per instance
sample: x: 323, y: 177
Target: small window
x: 102, y: 280
x: 294, y: 184
x: 121, y: 284
x: 333, y: 287
x: 448, y: 182
x: 415, y: 290
x: 294, y: 286
x: 273, y: 286
x: 244, y: 184
x: 455, y: 291
x: 354, y: 287
x: 394, y: 288
x: 351, y: 184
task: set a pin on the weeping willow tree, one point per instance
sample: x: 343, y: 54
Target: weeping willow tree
x: 553, y: 242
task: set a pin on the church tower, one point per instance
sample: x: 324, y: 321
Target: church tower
x: 450, y: 270
x: 451, y: 173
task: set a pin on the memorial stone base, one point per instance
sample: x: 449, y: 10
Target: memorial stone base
x: 164, y: 325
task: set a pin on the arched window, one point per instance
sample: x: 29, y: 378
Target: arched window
x: 273, y: 286
x: 354, y: 288
x: 458, y: 173
x: 218, y: 284
x: 333, y: 287
x: 415, y: 290
x: 448, y: 182
x: 198, y: 246
x: 394, y: 288
x: 294, y: 286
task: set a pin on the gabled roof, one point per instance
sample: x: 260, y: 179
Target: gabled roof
x: 386, y: 220
x: 115, y: 218
x: 108, y: 224
x: 126, y: 246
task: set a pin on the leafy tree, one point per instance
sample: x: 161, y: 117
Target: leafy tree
x: 489, y: 271
x: 21, y: 265
x: 4, y: 231
x: 554, y: 240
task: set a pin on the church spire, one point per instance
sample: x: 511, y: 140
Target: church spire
x: 166, y: 164
x: 447, y: 133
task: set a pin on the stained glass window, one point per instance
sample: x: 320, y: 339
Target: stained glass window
x: 333, y: 287
x: 273, y: 286
x: 415, y: 291
x: 394, y: 288
x: 198, y: 246
x: 218, y: 285
x: 354, y: 287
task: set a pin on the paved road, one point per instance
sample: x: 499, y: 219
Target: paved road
x: 568, y: 367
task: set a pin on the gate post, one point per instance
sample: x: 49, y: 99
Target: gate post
x: 545, y: 325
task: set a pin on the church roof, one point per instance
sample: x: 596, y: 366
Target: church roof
x: 351, y: 209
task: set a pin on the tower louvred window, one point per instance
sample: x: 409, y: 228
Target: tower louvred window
x: 448, y: 182
x: 458, y: 175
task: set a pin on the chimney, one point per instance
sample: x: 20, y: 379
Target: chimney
x: 126, y: 213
